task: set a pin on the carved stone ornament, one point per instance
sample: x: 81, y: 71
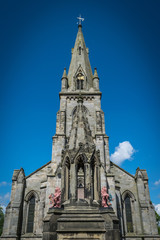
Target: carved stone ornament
x: 55, y: 199
x: 105, y: 198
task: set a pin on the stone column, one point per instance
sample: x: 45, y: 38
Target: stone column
x: 87, y: 184
x: 97, y: 185
x: 73, y: 182
x: 24, y: 217
x: 63, y: 197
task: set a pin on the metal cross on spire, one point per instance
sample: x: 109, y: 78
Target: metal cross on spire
x: 80, y: 20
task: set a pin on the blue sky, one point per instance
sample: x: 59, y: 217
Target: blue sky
x: 35, y: 45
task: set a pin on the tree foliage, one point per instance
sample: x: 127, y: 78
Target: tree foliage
x: 1, y: 219
x: 158, y: 221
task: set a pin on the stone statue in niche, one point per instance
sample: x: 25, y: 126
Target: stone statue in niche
x: 55, y: 199
x: 105, y: 198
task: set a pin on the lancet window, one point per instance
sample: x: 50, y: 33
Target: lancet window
x: 80, y: 81
x: 31, y: 211
x: 128, y: 210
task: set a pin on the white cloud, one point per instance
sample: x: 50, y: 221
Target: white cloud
x: 4, y: 199
x: 3, y: 183
x: 123, y: 152
x: 157, y: 208
x: 157, y: 182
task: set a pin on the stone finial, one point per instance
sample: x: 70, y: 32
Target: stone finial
x: 95, y: 73
x: 64, y: 80
x: 95, y: 80
x: 64, y: 74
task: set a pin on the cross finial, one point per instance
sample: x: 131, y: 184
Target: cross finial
x: 80, y: 20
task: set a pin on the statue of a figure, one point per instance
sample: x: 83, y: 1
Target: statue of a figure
x: 105, y: 198
x: 55, y: 199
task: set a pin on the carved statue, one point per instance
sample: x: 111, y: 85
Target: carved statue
x: 55, y: 199
x: 105, y: 198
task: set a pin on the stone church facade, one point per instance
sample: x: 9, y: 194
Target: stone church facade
x: 81, y: 168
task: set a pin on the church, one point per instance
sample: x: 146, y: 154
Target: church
x: 80, y: 194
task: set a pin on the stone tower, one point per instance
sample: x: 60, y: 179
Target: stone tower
x: 99, y: 200
x: 80, y: 148
x: 80, y: 127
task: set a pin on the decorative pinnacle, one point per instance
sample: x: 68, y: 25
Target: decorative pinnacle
x: 95, y: 73
x: 64, y: 73
x: 80, y: 20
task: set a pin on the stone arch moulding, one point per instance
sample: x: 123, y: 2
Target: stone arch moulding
x: 65, y: 160
x: 95, y: 159
x: 30, y: 194
x: 80, y: 70
x: 81, y: 156
x: 128, y: 192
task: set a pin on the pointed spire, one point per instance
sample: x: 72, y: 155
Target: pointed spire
x: 64, y: 73
x: 79, y: 60
x: 64, y: 84
x: 95, y: 80
x: 95, y: 73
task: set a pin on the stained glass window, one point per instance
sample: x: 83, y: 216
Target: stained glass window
x: 128, y: 214
x: 31, y: 209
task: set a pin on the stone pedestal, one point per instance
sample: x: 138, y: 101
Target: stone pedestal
x: 82, y: 223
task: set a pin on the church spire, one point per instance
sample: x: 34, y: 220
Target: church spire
x: 80, y: 73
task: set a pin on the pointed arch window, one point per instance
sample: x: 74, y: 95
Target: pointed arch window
x: 80, y: 81
x: 128, y: 211
x: 31, y: 212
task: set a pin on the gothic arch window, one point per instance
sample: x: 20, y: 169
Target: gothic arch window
x: 80, y: 81
x: 30, y: 206
x: 31, y: 213
x: 128, y: 213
